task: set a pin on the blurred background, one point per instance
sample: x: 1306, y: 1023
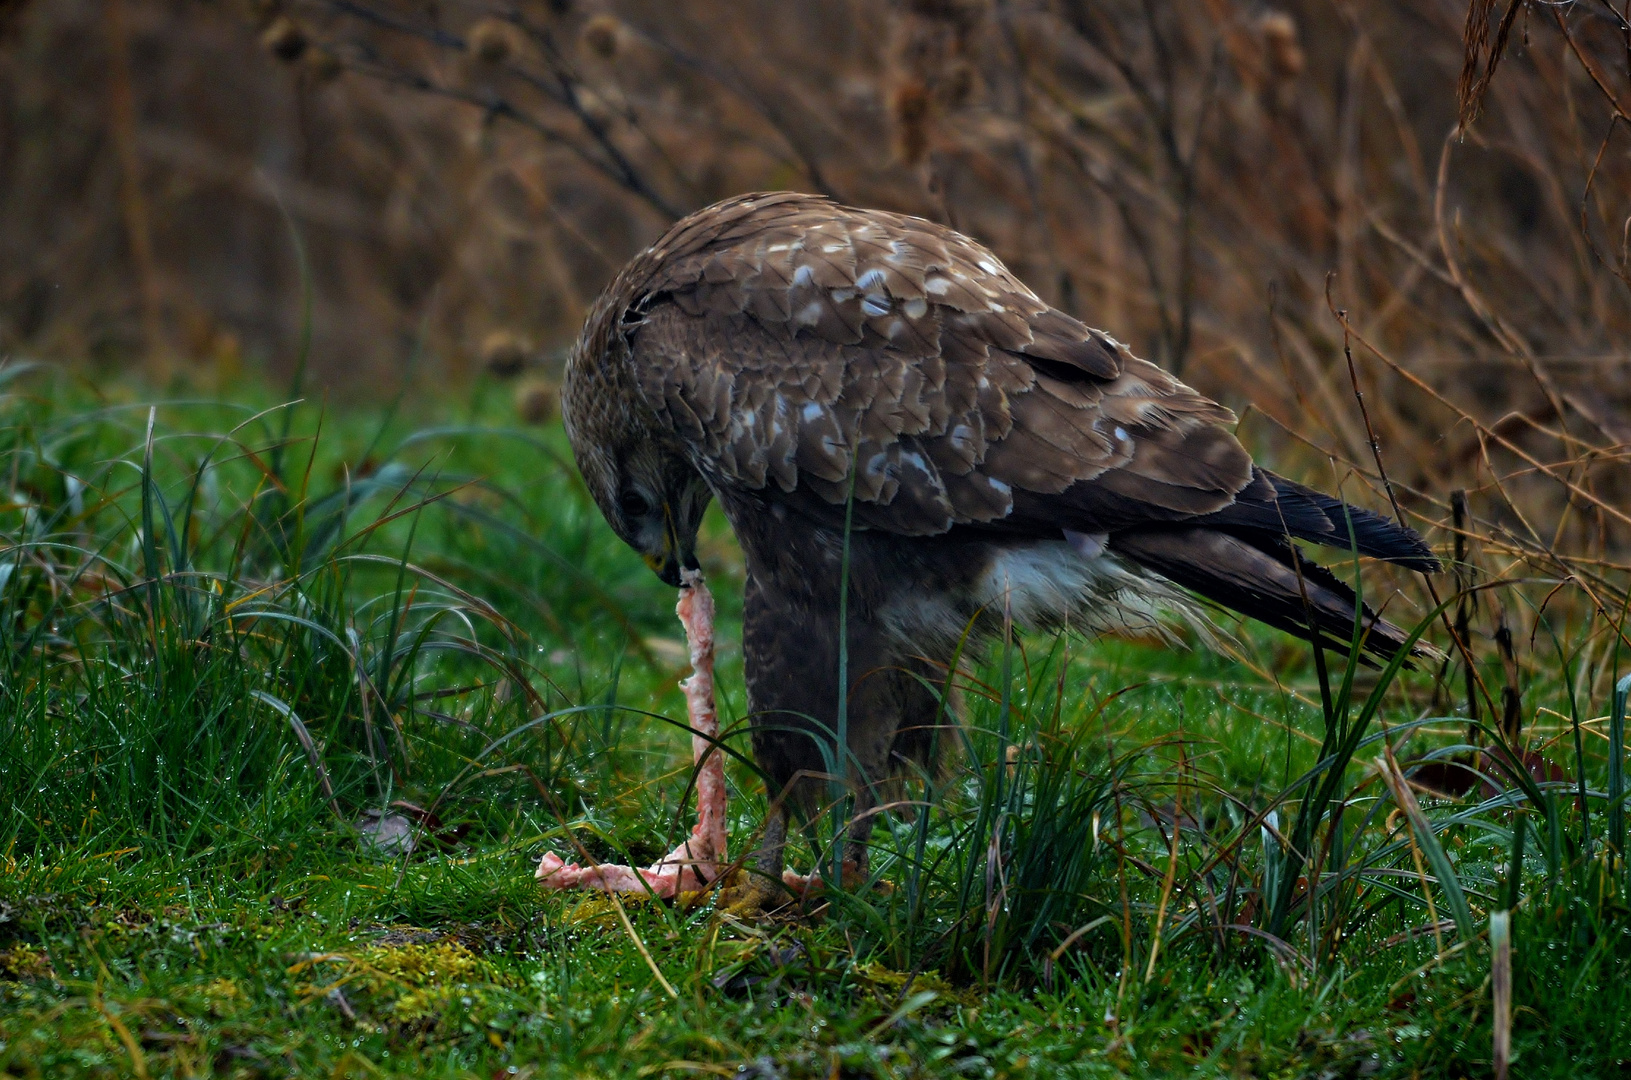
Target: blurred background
x: 1212, y: 181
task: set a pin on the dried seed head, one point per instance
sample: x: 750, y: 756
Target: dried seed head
x: 1280, y: 44
x: 324, y: 64
x: 964, y: 15
x: 910, y: 106
x: 503, y: 354
x: 958, y: 85
x: 600, y: 35
x: 536, y: 400
x: 285, y: 39
x: 492, y: 41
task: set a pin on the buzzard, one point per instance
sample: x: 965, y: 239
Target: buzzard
x: 883, y: 409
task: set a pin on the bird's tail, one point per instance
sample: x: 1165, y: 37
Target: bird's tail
x: 1262, y: 575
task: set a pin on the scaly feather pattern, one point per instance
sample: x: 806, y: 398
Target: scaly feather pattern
x: 795, y: 351
x: 791, y: 342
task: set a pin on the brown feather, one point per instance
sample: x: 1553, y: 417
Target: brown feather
x: 876, y: 328
x: 789, y: 342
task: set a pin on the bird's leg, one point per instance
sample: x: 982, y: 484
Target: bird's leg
x: 759, y: 888
x: 766, y: 881
x: 695, y: 864
x: 853, y: 856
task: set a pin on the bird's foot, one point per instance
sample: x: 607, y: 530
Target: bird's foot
x: 751, y: 896
x: 851, y: 876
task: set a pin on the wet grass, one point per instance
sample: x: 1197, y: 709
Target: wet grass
x: 237, y: 638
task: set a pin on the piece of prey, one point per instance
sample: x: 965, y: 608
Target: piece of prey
x: 696, y: 863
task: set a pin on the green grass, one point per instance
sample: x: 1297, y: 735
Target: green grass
x: 230, y: 631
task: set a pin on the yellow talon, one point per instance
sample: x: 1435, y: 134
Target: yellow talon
x: 752, y: 896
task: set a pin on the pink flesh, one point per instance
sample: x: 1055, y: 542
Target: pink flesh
x: 693, y: 865
x: 803, y: 885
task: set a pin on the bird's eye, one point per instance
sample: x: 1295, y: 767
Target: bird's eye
x: 633, y: 504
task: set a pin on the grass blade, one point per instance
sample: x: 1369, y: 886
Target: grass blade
x: 1616, y: 766
x: 1500, y: 980
x: 1454, y: 898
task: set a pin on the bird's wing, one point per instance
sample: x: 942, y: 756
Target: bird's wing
x: 806, y: 353
x: 799, y: 348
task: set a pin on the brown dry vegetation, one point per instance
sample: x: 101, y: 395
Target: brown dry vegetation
x: 1214, y: 181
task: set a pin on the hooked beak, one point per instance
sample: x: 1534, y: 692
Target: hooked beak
x: 668, y: 563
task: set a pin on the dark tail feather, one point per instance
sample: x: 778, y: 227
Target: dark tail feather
x: 1272, y: 504
x: 1259, y: 577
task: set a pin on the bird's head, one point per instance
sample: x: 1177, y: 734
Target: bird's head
x: 650, y: 495
x: 655, y: 502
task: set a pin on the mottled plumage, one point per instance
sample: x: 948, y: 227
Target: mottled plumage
x: 799, y: 360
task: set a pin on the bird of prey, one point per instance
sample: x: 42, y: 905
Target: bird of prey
x: 878, y: 403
